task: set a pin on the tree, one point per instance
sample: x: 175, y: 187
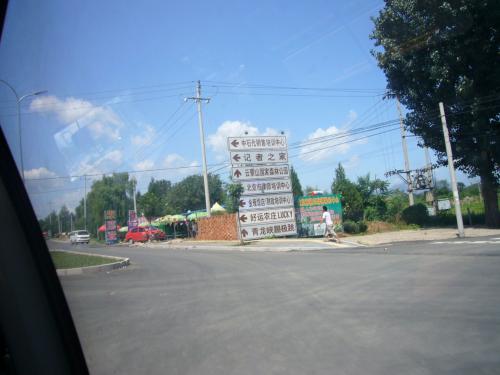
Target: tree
x: 233, y: 194
x: 151, y: 205
x: 435, y: 51
x: 442, y: 189
x: 352, y: 201
x: 110, y: 193
x: 189, y: 194
x: 296, y: 186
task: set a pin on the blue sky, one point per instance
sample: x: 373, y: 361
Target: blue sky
x: 117, y: 74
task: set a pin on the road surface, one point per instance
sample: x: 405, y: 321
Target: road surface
x: 411, y: 308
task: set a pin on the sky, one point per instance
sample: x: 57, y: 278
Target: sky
x: 117, y: 75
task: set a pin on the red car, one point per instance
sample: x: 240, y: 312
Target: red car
x: 155, y: 233
x: 143, y: 234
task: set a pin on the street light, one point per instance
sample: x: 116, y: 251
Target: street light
x: 19, y: 99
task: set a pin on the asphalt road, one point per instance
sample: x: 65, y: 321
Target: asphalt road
x: 415, y: 308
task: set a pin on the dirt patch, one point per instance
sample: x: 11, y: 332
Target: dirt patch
x: 379, y: 227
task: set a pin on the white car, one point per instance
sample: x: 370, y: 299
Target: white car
x: 79, y: 236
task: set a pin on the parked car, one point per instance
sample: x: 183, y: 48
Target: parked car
x: 155, y: 233
x: 138, y: 234
x: 79, y: 236
x: 143, y: 234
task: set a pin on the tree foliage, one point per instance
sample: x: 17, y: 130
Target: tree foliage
x: 233, y: 194
x: 434, y: 51
x: 296, y: 186
x: 189, y: 194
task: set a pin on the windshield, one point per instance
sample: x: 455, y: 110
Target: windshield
x: 266, y: 187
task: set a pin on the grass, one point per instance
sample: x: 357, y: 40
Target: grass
x: 63, y: 259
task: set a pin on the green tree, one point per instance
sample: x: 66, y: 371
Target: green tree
x: 233, y: 194
x: 151, y: 205
x: 110, y: 193
x: 434, y: 51
x: 442, y: 189
x: 189, y: 194
x: 352, y: 201
x: 296, y: 186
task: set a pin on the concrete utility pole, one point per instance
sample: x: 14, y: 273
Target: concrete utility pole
x: 198, y: 100
x: 85, y: 203
x: 458, y: 210
x: 405, y: 153
x: 430, y: 178
x: 135, y: 193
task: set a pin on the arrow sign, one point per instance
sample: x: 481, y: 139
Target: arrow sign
x: 237, y: 157
x: 235, y: 143
x: 237, y: 173
x: 242, y: 203
x: 243, y: 218
x: 244, y: 233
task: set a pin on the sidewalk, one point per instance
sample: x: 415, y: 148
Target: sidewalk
x: 420, y: 235
x: 304, y: 244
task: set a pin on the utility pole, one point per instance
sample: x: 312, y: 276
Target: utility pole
x: 198, y: 100
x: 85, y: 202
x: 458, y: 210
x: 70, y: 222
x: 405, y: 153
x: 134, y: 183
x: 430, y: 178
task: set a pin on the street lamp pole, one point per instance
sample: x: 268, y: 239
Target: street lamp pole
x: 19, y: 129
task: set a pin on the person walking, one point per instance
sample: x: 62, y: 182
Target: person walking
x: 329, y: 231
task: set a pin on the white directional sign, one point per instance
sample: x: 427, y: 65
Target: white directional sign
x: 260, y: 164
x: 266, y: 216
x: 266, y: 187
x: 265, y: 201
x: 259, y: 157
x: 254, y: 232
x: 260, y: 173
x: 277, y: 142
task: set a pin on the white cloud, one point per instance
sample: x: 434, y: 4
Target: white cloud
x: 327, y: 143
x: 38, y: 173
x: 145, y: 138
x: 101, y: 121
x: 144, y: 165
x: 218, y: 141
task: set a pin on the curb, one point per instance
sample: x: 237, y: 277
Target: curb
x: 121, y: 263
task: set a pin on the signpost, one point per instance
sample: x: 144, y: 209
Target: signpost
x: 260, y: 173
x: 259, y: 157
x: 266, y: 187
x: 260, y: 164
x: 132, y: 220
x: 262, y: 143
x: 110, y: 227
x: 257, y: 202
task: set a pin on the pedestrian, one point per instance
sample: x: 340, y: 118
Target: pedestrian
x: 329, y: 231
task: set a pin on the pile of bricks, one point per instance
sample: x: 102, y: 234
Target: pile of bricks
x: 218, y: 227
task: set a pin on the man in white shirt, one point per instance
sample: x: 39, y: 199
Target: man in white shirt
x: 329, y: 231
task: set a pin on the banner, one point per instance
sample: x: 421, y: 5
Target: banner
x: 310, y: 212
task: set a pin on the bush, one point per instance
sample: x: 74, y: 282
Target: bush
x: 416, y: 214
x: 353, y: 227
x: 362, y: 227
